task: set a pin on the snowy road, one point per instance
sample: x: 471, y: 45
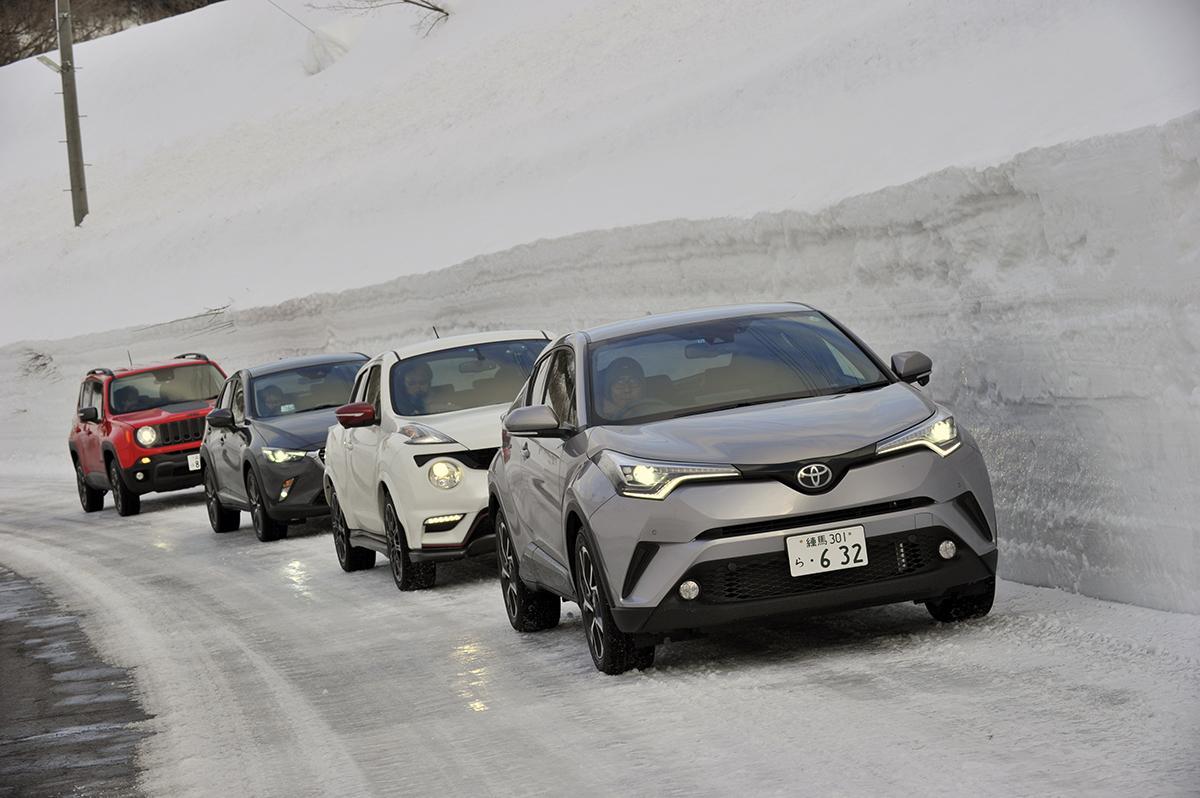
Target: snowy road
x: 269, y: 671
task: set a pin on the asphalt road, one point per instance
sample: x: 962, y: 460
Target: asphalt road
x: 269, y: 671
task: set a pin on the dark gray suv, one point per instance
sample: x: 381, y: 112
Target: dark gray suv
x: 264, y: 442
x: 706, y: 467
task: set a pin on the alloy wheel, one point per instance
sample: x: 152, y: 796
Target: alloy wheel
x: 508, y: 568
x: 395, y: 552
x: 589, y: 602
x: 80, y: 486
x: 114, y: 477
x: 338, y: 522
x: 210, y: 499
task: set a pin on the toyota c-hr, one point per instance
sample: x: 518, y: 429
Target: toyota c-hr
x: 706, y: 467
x: 406, y: 468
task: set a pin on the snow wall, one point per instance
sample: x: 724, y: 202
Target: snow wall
x: 1058, y: 295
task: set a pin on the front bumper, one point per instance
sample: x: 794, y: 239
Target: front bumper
x: 163, y: 472
x: 730, y: 538
x: 305, y: 497
x: 419, y: 501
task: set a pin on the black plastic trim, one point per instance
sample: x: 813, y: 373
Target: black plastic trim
x: 812, y: 519
x: 643, y: 553
x: 478, y: 459
x: 974, y: 513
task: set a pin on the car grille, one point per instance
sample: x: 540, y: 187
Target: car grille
x: 185, y: 431
x: 478, y: 459
x: 762, y: 576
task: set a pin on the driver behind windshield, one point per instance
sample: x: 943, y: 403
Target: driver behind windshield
x: 415, y: 386
x: 624, y: 387
x: 271, y: 400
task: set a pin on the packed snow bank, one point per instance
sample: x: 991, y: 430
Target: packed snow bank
x: 238, y: 156
x: 1058, y: 295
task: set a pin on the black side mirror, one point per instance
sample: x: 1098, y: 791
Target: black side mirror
x: 89, y: 415
x: 221, y: 418
x: 912, y: 367
x: 534, y: 421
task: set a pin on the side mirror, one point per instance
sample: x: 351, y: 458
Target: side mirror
x: 356, y: 414
x: 221, y: 418
x: 534, y: 421
x: 89, y: 415
x: 912, y: 367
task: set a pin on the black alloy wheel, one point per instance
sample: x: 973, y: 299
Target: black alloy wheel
x: 92, y: 499
x: 266, y: 528
x: 407, y: 575
x: 529, y: 610
x: 350, y: 558
x: 219, y: 518
x: 612, y: 650
x: 126, y: 501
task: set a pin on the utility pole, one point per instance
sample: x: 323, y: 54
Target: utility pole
x: 66, y: 42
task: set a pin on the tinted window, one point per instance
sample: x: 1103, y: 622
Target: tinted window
x: 299, y: 390
x: 707, y: 366
x: 462, y: 378
x: 164, y: 387
x: 238, y: 406
x: 372, y: 394
x: 560, y: 386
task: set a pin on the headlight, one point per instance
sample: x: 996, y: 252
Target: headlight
x: 282, y: 455
x: 147, y: 436
x: 444, y: 474
x: 652, y: 479
x: 420, y: 434
x: 937, y: 432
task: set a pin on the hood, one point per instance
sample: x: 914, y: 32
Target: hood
x: 172, y: 412
x: 779, y: 432
x: 299, y: 431
x: 477, y: 428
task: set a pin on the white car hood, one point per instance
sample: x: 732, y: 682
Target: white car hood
x: 477, y: 428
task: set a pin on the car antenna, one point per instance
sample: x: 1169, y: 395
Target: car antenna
x: 435, y: 332
x: 130, y: 356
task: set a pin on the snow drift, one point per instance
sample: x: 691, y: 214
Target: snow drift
x: 1057, y: 294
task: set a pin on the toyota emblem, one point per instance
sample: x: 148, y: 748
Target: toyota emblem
x: 814, y: 476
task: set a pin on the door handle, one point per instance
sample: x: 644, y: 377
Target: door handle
x: 525, y: 450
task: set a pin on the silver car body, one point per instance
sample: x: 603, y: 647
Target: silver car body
x: 551, y: 490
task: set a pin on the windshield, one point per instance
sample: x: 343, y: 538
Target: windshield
x: 462, y: 378
x: 299, y: 390
x: 162, y: 387
x: 725, y: 363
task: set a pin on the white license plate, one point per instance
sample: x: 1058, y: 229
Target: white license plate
x: 831, y: 550
x: 193, y: 462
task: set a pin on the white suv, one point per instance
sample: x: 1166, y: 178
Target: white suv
x: 406, y: 466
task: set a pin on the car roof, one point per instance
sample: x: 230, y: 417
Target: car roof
x: 439, y: 344
x: 289, y: 363
x: 107, y: 374
x: 662, y: 321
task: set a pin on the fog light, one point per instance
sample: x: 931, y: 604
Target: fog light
x: 145, y: 461
x: 139, y: 476
x: 689, y: 590
x: 947, y: 549
x: 287, y: 486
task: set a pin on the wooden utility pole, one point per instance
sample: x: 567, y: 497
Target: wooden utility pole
x: 66, y: 42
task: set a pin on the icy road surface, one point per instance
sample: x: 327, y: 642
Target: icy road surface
x: 269, y: 671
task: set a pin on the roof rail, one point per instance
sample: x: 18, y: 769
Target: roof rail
x: 191, y: 356
x: 105, y: 372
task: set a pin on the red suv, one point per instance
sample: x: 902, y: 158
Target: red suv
x: 138, y: 430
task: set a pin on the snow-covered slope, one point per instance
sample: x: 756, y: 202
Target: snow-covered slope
x: 237, y: 156
x: 1057, y: 294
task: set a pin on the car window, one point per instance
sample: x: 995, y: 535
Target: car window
x: 238, y: 406
x: 371, y: 395
x: 705, y: 366
x: 463, y: 377
x: 96, y: 396
x: 537, y: 383
x: 163, y: 387
x: 560, y: 386
x: 226, y: 391
x: 302, y: 389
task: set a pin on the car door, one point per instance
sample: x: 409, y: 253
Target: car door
x: 517, y: 469
x: 88, y: 441
x: 362, y: 452
x: 233, y: 440
x: 546, y: 464
x: 214, y: 438
x: 337, y: 455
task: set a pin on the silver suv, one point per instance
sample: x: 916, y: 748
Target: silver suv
x: 707, y: 467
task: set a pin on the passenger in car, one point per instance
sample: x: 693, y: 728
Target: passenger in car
x: 415, y: 384
x: 271, y: 401
x: 624, y: 386
x: 125, y: 399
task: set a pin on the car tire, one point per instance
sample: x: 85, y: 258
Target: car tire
x: 612, y: 650
x: 529, y: 609
x: 266, y: 528
x: 351, y: 558
x: 974, y: 601
x: 92, y: 499
x: 407, y: 575
x: 126, y: 501
x: 221, y: 519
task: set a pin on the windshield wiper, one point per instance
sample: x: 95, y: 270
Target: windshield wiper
x: 866, y: 386
x: 744, y: 403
